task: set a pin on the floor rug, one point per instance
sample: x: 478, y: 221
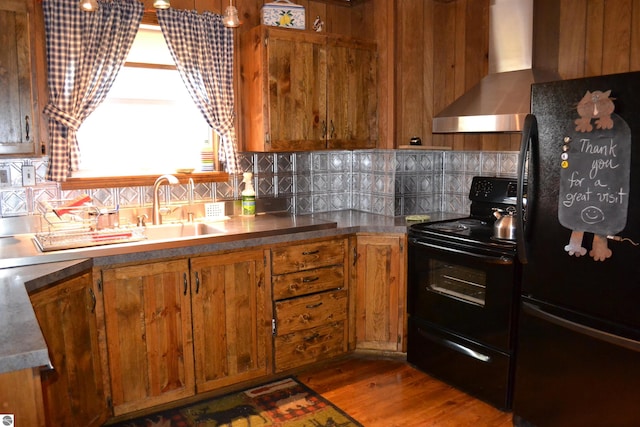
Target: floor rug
x: 284, y: 403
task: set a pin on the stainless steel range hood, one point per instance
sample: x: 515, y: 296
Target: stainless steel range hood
x: 500, y: 102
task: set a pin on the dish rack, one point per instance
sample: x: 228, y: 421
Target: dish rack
x: 63, y: 226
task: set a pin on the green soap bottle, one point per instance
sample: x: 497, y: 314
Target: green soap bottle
x: 248, y: 195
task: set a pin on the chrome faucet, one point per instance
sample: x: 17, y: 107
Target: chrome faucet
x: 190, y: 194
x: 157, y: 219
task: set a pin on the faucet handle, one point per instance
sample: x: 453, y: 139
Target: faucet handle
x: 141, y: 220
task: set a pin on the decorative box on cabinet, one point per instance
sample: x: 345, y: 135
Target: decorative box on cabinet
x: 310, y: 302
x: 302, y: 90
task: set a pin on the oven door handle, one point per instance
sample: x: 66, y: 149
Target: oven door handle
x: 455, y: 346
x: 502, y: 260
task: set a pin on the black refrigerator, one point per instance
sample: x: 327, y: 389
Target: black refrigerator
x: 578, y: 351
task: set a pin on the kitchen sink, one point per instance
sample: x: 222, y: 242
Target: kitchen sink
x: 51, y: 241
x: 180, y: 230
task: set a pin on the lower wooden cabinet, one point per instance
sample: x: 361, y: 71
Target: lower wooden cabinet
x: 73, y: 392
x: 147, y: 310
x: 311, y: 307
x: 231, y: 318
x: 310, y: 328
x: 380, y: 292
x: 180, y: 327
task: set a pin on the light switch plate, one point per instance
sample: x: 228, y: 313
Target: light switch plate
x: 28, y: 175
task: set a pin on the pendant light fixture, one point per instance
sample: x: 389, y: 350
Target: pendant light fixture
x: 231, y: 19
x: 161, y: 4
x: 89, y: 5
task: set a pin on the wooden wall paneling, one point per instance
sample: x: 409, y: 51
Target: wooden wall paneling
x: 410, y: 70
x: 363, y: 23
x: 460, y: 55
x: 572, y: 39
x: 476, y: 59
x: 384, y: 17
x: 209, y: 6
x: 634, y: 59
x: 444, y: 62
x: 427, y: 77
x: 616, y: 37
x: 314, y: 9
x: 340, y: 19
x: 594, y: 24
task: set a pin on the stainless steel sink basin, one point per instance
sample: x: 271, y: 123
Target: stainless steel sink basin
x: 180, y: 230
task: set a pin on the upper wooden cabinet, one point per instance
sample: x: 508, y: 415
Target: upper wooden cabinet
x: 18, y: 89
x: 303, y: 90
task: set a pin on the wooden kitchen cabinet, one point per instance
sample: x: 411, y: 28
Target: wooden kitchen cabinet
x: 18, y: 87
x: 303, y: 90
x: 73, y: 392
x: 147, y: 311
x: 381, y: 292
x: 231, y: 309
x: 311, y: 302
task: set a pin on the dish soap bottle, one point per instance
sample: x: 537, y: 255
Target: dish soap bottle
x: 248, y: 195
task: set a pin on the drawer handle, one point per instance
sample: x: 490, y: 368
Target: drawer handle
x: 314, y: 305
x: 310, y: 279
x: 310, y: 252
x: 312, y: 337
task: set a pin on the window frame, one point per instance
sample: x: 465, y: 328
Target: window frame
x: 118, y: 181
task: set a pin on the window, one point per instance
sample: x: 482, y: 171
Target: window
x: 148, y: 123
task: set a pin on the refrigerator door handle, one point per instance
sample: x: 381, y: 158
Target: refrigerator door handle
x: 529, y: 134
x: 616, y: 340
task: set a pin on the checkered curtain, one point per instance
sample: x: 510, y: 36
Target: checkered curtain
x: 202, y: 49
x: 85, y: 51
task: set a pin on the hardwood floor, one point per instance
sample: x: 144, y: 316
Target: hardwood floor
x: 389, y: 393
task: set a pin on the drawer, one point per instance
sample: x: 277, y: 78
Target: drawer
x: 307, y: 282
x: 310, y: 311
x: 311, y: 345
x: 306, y: 256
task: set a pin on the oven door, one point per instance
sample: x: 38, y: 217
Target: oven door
x: 469, y: 292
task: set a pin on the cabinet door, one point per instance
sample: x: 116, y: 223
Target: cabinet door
x: 17, y: 89
x: 231, y: 318
x: 73, y: 391
x: 352, y: 96
x: 297, y: 94
x: 381, y: 292
x: 149, y: 339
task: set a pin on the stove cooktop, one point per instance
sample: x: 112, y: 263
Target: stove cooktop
x: 467, y: 231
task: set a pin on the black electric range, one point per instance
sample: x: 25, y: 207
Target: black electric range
x: 463, y: 286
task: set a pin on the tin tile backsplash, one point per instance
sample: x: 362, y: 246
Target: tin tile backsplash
x: 386, y: 182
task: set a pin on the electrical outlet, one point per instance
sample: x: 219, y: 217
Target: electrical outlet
x: 28, y: 175
x: 5, y: 176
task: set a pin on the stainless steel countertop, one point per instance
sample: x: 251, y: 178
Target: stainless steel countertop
x: 24, y: 268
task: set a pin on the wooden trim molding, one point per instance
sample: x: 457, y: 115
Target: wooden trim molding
x: 138, y: 180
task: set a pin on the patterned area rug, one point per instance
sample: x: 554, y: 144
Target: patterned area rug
x: 285, y: 403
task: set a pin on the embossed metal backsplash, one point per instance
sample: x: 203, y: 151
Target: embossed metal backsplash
x: 386, y: 182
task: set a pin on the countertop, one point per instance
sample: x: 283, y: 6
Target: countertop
x: 24, y: 268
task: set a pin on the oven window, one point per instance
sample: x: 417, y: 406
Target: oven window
x: 464, y: 283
